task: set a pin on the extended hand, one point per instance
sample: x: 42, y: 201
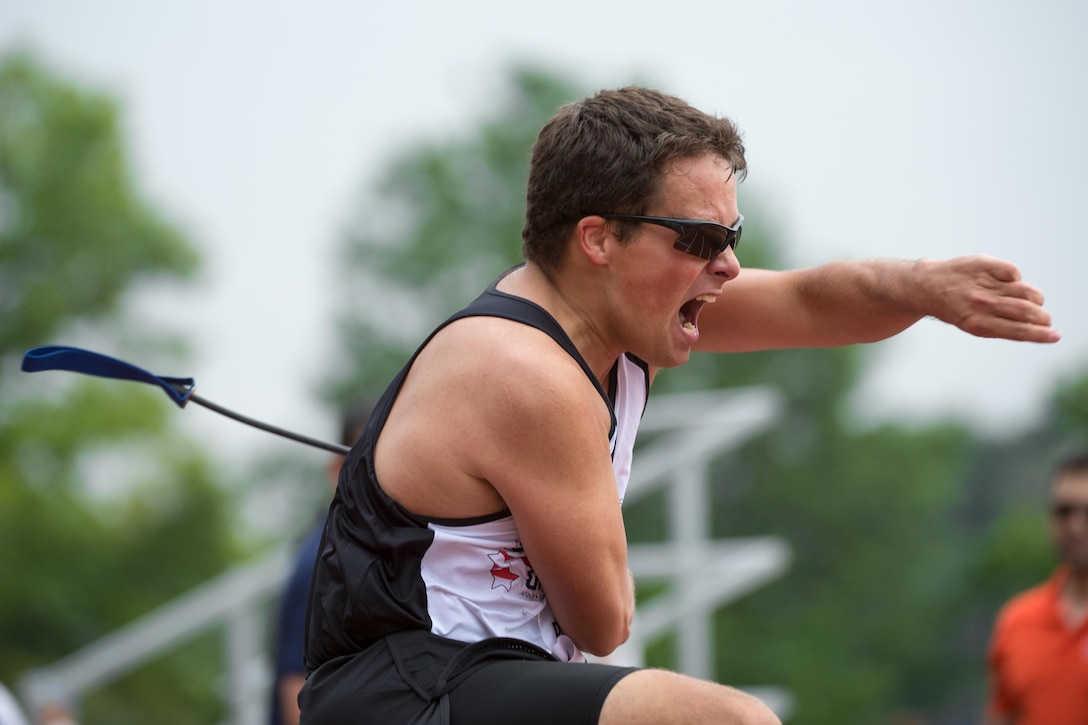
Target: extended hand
x: 986, y: 297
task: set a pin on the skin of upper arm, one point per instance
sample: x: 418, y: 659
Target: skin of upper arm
x: 759, y: 310
x: 830, y: 305
x: 544, y: 448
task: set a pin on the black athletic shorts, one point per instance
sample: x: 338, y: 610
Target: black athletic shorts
x: 416, y: 678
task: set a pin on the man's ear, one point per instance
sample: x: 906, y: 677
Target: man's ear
x: 595, y: 239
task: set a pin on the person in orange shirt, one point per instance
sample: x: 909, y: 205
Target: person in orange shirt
x: 1039, y: 651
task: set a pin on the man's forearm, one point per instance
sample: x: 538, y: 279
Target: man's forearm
x: 875, y: 299
x: 862, y: 301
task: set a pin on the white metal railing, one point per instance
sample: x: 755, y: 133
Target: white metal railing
x: 233, y: 598
x: 703, y: 574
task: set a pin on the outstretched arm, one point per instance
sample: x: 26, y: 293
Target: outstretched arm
x: 843, y: 303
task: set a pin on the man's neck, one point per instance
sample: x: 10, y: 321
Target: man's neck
x: 1076, y: 585
x: 561, y: 294
x: 1074, y: 598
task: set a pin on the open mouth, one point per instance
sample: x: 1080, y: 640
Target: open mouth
x: 689, y: 312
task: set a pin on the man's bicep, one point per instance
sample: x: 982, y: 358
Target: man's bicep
x: 759, y: 310
x: 558, y: 483
x: 1000, y: 705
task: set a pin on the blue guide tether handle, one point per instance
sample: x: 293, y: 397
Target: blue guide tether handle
x: 78, y: 360
x: 180, y: 390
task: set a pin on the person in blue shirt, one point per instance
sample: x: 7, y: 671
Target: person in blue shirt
x: 290, y: 672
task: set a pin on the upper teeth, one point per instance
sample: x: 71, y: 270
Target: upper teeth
x: 706, y: 298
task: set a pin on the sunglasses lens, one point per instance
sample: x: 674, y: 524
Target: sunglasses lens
x: 703, y: 241
x: 1065, y: 511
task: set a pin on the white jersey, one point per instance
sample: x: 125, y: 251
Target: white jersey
x: 479, y: 582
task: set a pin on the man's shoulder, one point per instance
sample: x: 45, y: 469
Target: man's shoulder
x: 504, y: 344
x: 1028, y: 606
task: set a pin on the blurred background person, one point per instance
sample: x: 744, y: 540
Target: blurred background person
x: 290, y: 673
x: 56, y: 713
x: 1039, y: 649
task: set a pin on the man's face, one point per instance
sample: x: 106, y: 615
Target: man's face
x: 662, y: 289
x: 1069, y: 519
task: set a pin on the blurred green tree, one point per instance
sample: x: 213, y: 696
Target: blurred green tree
x: 105, y: 511
x: 444, y: 218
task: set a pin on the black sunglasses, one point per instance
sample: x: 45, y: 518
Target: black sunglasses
x: 699, y: 238
x: 1065, y: 511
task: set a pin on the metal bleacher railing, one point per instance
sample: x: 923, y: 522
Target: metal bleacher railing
x: 686, y: 433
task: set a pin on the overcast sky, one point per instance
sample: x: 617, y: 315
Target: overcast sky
x: 934, y: 128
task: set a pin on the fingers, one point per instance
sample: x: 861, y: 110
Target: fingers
x: 1001, y: 270
x: 1017, y: 331
x: 998, y: 304
x: 1013, y: 312
x: 997, y: 274
x: 1024, y: 291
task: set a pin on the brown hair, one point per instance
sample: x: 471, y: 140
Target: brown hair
x: 607, y: 153
x: 1073, y: 464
